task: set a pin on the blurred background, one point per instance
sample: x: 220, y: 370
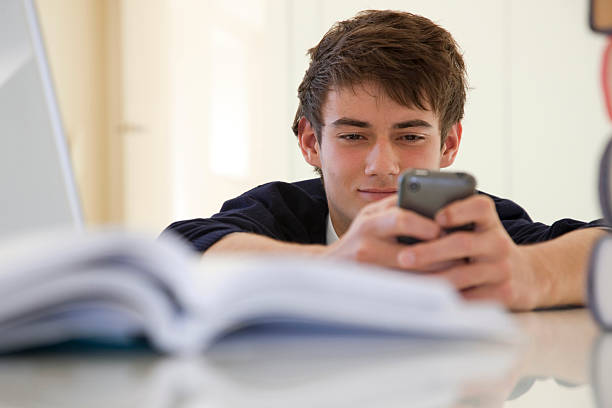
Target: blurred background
x: 173, y: 106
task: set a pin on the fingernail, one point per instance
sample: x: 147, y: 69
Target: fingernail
x: 407, y: 258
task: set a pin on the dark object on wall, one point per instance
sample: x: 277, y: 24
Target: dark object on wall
x: 600, y: 16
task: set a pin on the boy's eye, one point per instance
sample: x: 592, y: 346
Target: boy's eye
x: 351, y: 136
x: 411, y: 138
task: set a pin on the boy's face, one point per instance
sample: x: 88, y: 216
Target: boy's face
x: 367, y: 141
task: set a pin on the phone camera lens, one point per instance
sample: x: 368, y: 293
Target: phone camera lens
x: 414, y: 187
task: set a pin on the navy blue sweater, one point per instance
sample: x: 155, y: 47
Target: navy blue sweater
x: 297, y: 212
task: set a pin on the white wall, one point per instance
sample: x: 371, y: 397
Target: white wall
x: 204, y: 105
x: 556, y: 108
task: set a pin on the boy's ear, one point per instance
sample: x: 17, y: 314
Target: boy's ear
x: 451, y: 145
x: 309, y: 145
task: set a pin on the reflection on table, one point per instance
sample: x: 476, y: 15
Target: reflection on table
x: 293, y: 369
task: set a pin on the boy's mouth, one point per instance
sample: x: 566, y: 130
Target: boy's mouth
x: 376, y: 193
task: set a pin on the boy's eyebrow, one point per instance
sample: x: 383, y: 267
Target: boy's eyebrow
x: 361, y: 124
x: 351, y: 122
x: 412, y: 123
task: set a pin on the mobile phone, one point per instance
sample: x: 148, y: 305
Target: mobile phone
x: 427, y: 191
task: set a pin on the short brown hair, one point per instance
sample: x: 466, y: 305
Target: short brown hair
x: 416, y: 62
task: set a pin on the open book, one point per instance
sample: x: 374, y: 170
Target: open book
x: 115, y: 286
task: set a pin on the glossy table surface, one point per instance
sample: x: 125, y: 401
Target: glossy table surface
x: 563, y: 360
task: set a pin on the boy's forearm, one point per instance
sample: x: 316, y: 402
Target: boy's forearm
x: 248, y: 242
x: 562, y: 265
x: 558, y: 266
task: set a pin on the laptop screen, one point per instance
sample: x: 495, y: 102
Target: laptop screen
x: 37, y: 188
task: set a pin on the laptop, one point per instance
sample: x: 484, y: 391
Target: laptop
x: 37, y: 186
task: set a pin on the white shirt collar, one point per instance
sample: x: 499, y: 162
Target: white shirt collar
x: 331, y: 235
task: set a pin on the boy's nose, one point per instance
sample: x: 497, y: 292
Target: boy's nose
x: 382, y: 160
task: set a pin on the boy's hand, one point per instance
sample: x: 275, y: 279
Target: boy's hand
x: 372, y: 236
x: 483, y: 263
x: 494, y: 267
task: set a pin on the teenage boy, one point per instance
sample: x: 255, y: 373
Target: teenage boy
x: 385, y: 92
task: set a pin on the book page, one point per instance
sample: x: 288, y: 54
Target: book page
x: 245, y: 291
